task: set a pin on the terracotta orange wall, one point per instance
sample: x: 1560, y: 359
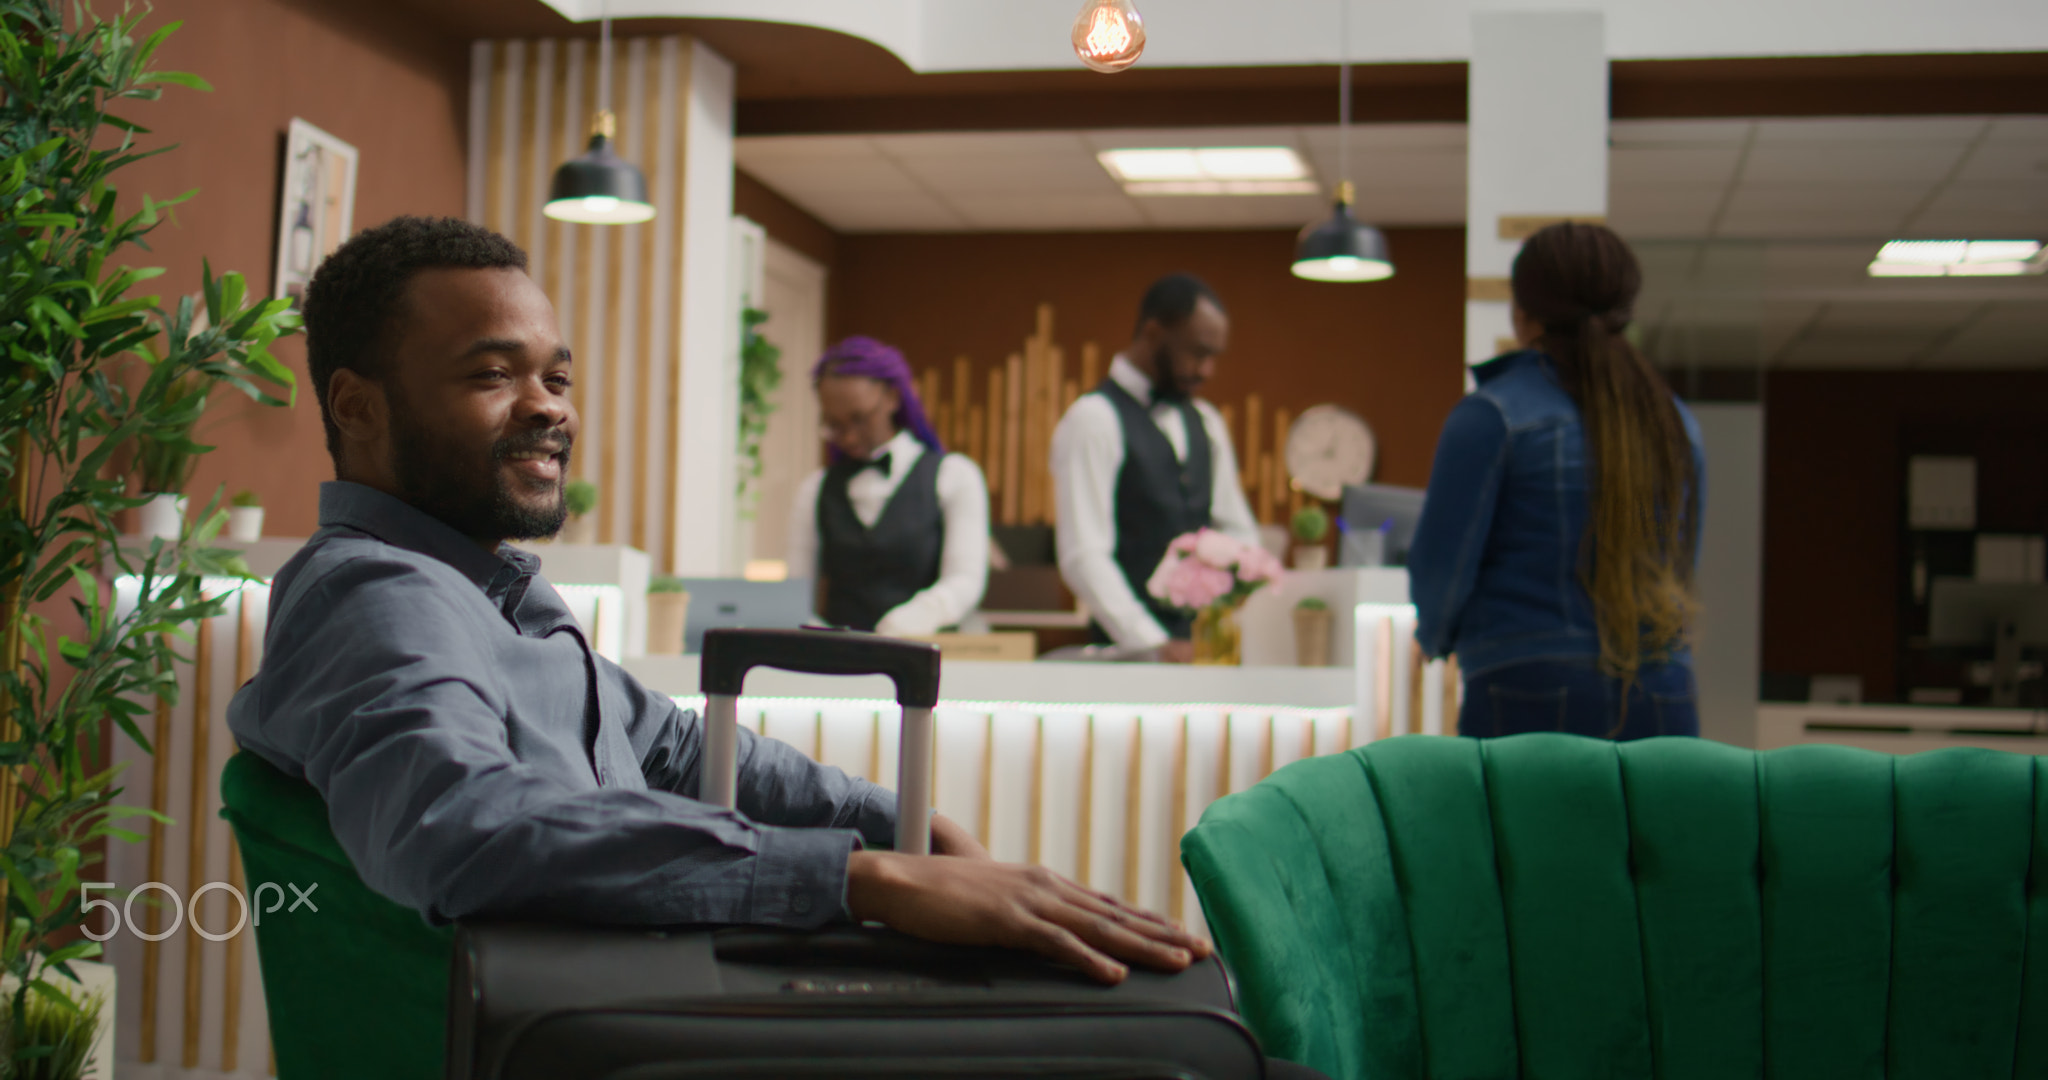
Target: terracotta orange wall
x: 367, y: 71
x: 1390, y: 351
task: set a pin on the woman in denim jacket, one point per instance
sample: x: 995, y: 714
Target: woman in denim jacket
x: 1556, y: 549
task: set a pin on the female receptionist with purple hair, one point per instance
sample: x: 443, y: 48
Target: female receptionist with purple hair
x: 894, y: 529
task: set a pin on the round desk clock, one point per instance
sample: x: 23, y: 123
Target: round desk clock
x: 1328, y: 448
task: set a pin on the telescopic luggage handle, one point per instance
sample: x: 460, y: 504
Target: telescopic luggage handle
x: 913, y: 666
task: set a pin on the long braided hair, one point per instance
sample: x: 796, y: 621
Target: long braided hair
x: 1579, y: 283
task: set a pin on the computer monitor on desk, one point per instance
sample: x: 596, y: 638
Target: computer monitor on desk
x: 2003, y: 616
x: 733, y: 602
x: 1379, y: 523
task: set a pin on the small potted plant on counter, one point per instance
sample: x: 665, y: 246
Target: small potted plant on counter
x: 1313, y: 622
x: 1311, y: 527
x: 66, y: 1023
x: 668, y: 608
x: 580, y: 496
x: 245, y: 517
x: 166, y: 455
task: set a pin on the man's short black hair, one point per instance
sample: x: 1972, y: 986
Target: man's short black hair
x: 1172, y: 299
x: 354, y: 301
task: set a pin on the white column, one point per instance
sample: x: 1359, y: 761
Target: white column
x: 1538, y: 147
x: 707, y: 330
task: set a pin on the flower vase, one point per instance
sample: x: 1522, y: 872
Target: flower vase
x: 1218, y: 640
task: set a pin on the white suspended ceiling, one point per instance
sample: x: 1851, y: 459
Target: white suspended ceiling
x: 1026, y: 35
x: 1754, y: 233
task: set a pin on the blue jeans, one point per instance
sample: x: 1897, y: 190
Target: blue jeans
x: 1574, y: 696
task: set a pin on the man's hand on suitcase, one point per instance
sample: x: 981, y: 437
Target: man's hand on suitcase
x: 980, y: 902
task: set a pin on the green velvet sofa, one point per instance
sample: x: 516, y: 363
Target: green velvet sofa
x: 1550, y: 906
x: 356, y: 986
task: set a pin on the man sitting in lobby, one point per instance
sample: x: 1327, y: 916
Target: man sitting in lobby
x: 476, y: 756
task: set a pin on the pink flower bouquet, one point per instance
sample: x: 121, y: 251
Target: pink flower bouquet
x: 1206, y: 568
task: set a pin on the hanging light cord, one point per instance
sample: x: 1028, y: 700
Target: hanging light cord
x: 602, y: 123
x: 1344, y: 99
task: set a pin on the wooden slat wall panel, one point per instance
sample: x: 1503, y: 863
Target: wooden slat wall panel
x: 614, y: 287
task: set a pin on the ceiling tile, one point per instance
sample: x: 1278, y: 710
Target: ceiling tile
x: 1852, y: 351
x: 1677, y: 132
x: 763, y: 149
x: 1388, y: 167
x: 1978, y: 224
x: 855, y: 213
x: 1645, y: 211
x: 1678, y: 346
x: 2022, y: 201
x: 1795, y: 211
x: 1927, y: 317
x: 1870, y: 129
x: 1223, y: 212
x: 1000, y: 211
x: 1783, y: 320
x: 1388, y: 137
x: 955, y: 144
x: 2008, y: 335
x: 803, y: 180
x: 1687, y: 166
x: 951, y: 176
x: 2010, y: 129
x: 1851, y: 163
x: 2016, y: 319
x: 1409, y: 206
x: 2015, y: 162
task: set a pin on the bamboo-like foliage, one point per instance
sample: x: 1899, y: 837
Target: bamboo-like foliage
x: 89, y: 374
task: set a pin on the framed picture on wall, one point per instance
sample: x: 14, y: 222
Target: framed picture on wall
x: 317, y: 208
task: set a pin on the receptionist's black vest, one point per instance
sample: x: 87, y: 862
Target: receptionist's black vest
x: 1158, y: 496
x: 869, y: 571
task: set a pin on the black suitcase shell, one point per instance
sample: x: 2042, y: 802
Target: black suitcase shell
x: 545, y: 1002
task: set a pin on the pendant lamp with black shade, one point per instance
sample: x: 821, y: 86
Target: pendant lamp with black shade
x: 1341, y: 247
x: 600, y: 187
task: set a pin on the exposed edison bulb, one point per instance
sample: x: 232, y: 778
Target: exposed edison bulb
x: 1109, y: 35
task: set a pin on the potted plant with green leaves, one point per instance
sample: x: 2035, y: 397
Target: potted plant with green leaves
x: 760, y: 374
x: 165, y: 458
x: 1313, y: 623
x: 95, y: 375
x: 580, y: 498
x: 245, y: 517
x: 1311, y: 529
x: 668, y: 610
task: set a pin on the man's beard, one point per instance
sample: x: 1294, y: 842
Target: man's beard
x: 431, y: 476
x: 1167, y: 386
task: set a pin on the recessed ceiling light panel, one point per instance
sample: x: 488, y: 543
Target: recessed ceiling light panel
x: 1959, y: 258
x: 1209, y: 170
x: 1223, y: 187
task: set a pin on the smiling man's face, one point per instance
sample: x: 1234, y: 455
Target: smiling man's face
x: 480, y: 423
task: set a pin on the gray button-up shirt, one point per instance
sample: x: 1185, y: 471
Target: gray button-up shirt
x: 478, y: 758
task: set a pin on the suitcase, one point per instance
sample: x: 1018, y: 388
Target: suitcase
x: 543, y: 1002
